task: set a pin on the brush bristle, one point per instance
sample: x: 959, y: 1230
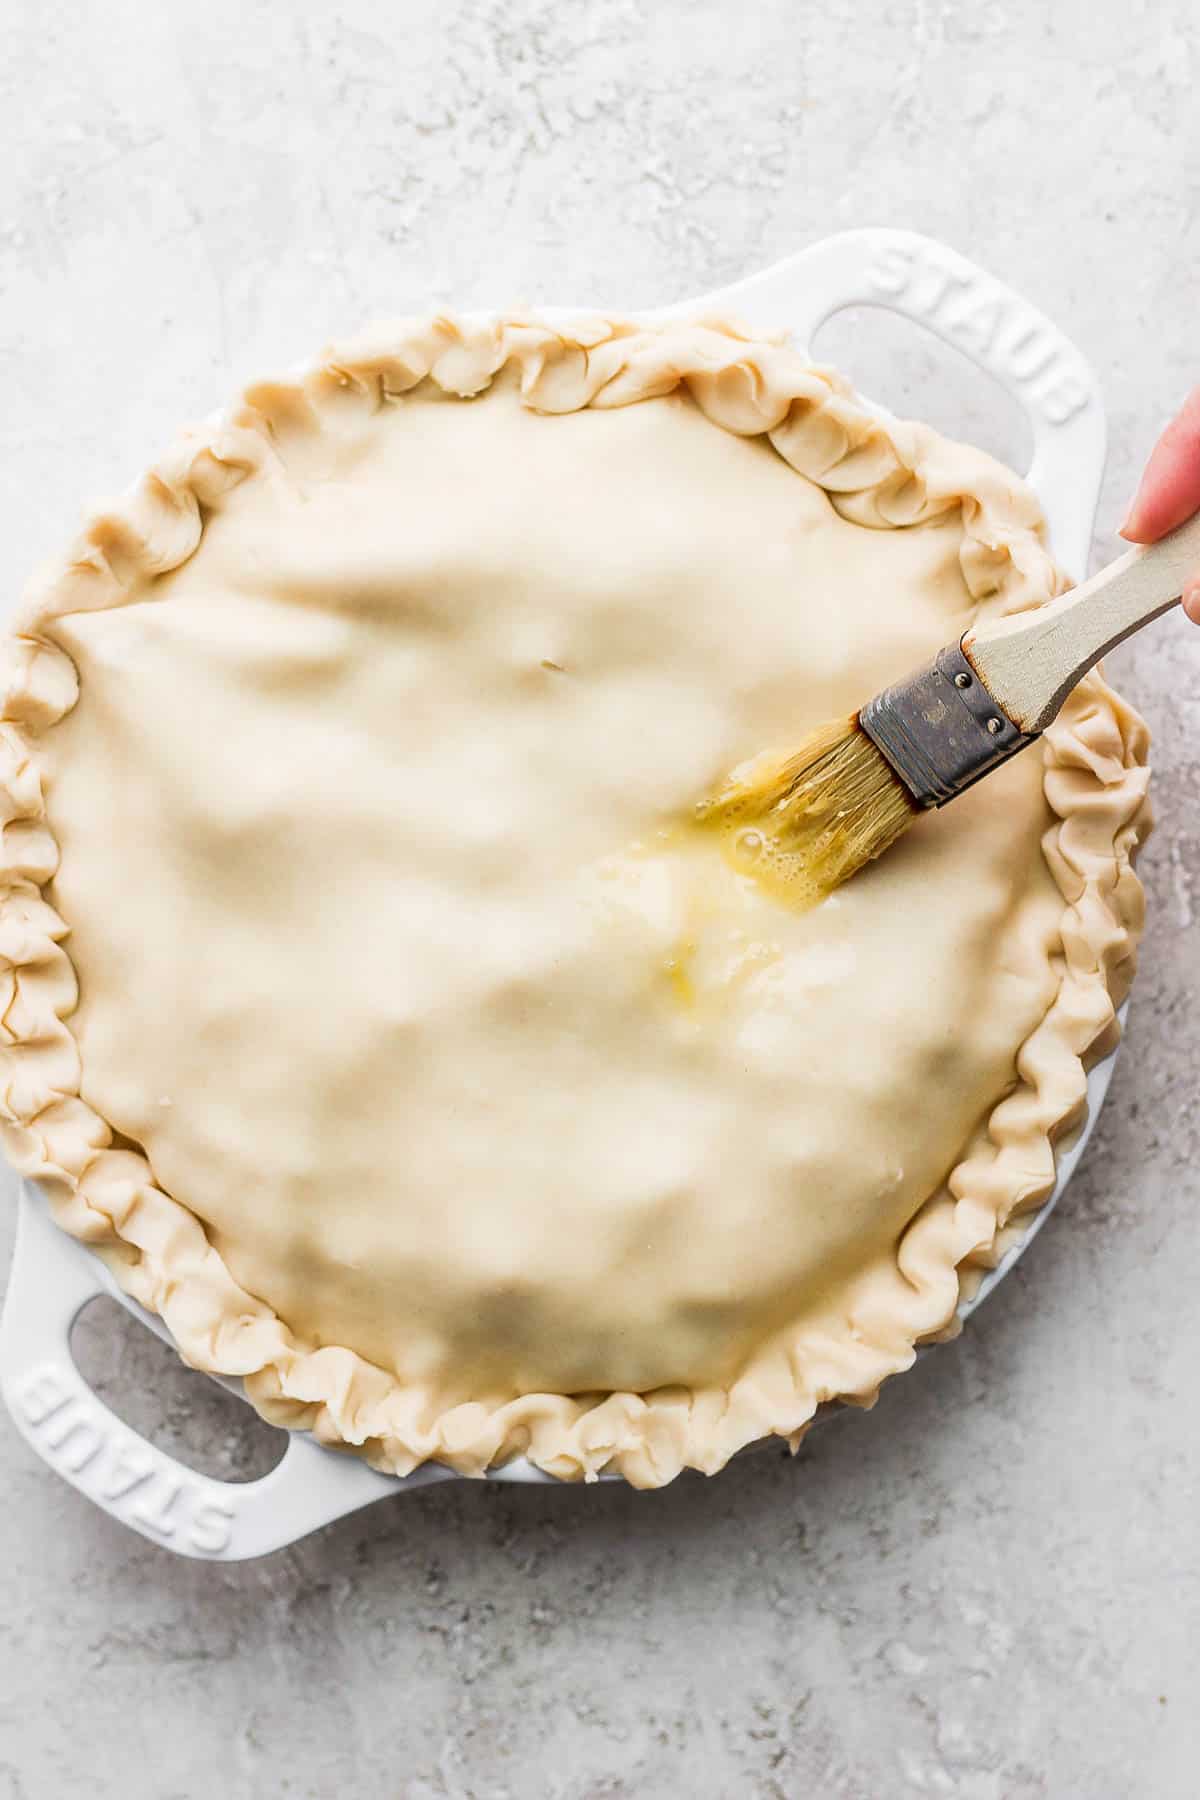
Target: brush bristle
x: 825, y: 811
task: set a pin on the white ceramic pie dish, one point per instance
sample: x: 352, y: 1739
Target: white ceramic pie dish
x: 53, y: 1276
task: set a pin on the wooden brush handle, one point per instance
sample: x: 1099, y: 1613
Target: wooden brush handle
x: 1030, y: 663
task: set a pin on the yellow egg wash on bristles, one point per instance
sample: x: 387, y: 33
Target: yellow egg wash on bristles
x: 803, y: 824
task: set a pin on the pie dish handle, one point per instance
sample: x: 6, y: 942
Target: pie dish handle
x: 81, y: 1439
x: 966, y: 307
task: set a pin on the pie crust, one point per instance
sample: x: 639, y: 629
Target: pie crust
x: 370, y: 1007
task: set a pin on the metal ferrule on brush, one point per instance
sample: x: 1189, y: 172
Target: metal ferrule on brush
x: 941, y: 730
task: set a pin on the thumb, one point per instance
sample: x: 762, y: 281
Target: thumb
x: 1169, y: 491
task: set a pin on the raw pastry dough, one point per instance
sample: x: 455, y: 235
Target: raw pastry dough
x: 425, y: 1068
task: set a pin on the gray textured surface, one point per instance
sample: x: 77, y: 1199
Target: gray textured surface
x: 989, y: 1588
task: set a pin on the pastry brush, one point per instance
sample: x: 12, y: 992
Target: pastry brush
x: 854, y: 786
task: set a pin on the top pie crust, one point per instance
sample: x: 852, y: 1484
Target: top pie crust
x: 370, y: 1006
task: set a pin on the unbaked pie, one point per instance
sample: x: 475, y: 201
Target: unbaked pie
x: 374, y: 1004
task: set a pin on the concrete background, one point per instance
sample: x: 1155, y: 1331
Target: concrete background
x: 989, y: 1588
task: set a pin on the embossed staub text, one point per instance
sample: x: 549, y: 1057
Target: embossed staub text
x: 988, y: 321
x: 126, y: 1475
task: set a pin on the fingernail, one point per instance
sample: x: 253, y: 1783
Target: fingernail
x: 1191, y: 601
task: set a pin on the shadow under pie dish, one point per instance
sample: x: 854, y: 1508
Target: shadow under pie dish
x: 374, y: 1004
